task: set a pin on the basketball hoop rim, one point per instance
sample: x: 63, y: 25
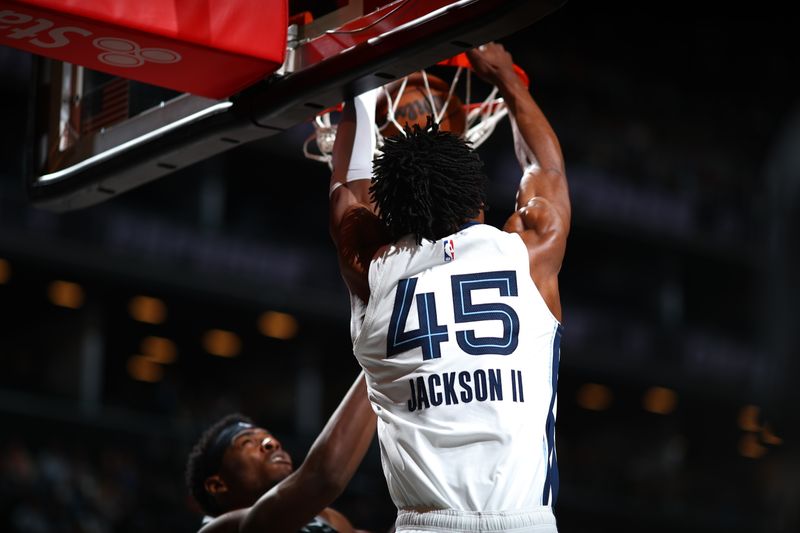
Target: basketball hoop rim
x: 480, y: 117
x: 461, y: 60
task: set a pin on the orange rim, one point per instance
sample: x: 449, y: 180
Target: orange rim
x: 461, y: 60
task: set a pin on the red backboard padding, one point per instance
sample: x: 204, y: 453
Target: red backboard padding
x: 212, y: 48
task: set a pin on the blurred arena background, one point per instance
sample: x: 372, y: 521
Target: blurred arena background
x: 128, y: 326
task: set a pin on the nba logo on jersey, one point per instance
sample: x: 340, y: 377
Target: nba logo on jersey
x: 449, y: 250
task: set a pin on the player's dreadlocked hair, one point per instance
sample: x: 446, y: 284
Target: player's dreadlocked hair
x: 203, y: 463
x: 427, y: 183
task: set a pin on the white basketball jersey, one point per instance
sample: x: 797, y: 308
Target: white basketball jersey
x: 461, y: 357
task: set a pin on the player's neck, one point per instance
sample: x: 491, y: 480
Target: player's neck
x: 480, y: 219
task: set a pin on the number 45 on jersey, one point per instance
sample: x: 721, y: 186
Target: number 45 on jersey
x: 431, y: 334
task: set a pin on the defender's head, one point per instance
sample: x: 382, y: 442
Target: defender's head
x: 233, y: 464
x: 427, y: 183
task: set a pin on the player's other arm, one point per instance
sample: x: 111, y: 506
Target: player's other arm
x: 542, y: 213
x: 355, y: 228
x: 323, y: 476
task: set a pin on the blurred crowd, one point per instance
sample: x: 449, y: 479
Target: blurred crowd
x: 88, y: 487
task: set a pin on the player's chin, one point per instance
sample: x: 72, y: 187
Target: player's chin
x: 279, y: 471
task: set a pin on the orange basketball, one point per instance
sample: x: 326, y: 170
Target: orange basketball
x: 414, y: 106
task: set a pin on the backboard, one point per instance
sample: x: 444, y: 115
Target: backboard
x: 98, y: 135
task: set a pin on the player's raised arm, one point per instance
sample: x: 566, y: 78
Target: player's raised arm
x: 535, y: 142
x: 355, y: 229
x: 542, y: 211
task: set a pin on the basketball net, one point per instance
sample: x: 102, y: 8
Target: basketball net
x: 481, y: 117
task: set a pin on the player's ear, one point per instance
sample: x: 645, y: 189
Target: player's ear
x: 215, y: 485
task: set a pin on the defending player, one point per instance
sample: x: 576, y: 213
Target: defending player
x: 244, y: 480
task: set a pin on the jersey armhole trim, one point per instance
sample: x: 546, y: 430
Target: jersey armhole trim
x: 374, y: 288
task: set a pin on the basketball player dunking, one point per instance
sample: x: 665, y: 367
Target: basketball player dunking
x: 456, y: 323
x: 244, y: 481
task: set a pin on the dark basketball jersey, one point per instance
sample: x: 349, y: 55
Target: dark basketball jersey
x: 317, y: 526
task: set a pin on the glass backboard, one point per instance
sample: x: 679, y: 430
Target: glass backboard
x: 98, y: 136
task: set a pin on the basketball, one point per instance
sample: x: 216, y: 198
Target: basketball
x: 415, y: 106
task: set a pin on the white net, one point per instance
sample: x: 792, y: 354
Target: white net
x: 481, y: 117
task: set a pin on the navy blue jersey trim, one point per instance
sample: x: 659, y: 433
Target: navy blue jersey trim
x: 551, y: 478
